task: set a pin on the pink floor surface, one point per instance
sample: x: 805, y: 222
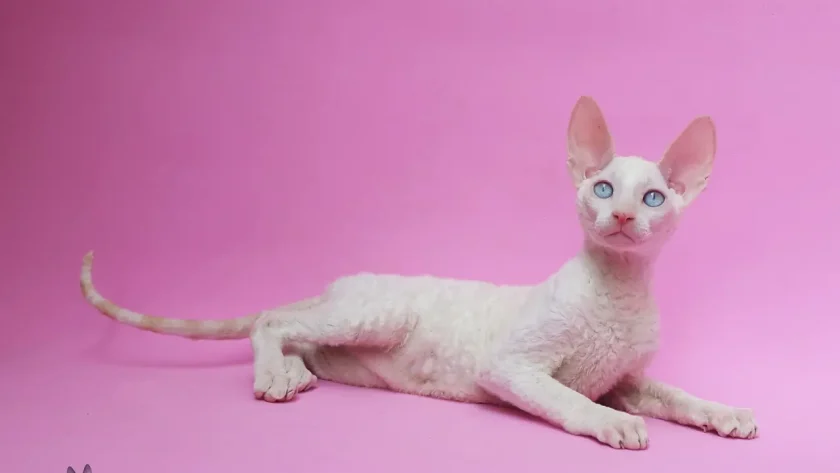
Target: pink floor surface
x: 223, y: 157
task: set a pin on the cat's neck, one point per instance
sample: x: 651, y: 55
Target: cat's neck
x: 623, y: 266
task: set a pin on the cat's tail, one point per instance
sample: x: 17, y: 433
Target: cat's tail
x: 227, y: 329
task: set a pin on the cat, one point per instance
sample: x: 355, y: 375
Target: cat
x: 571, y: 350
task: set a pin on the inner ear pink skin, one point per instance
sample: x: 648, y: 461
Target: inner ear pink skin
x: 590, y: 146
x: 687, y: 163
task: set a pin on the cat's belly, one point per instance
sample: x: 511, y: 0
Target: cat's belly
x: 435, y: 373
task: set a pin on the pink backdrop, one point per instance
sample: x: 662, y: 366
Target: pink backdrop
x: 223, y: 157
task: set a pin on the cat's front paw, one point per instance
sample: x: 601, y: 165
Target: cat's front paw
x: 726, y: 421
x: 282, y: 379
x: 615, y: 428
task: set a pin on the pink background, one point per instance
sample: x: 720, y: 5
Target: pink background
x: 223, y: 157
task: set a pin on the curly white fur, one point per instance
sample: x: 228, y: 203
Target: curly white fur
x: 586, y: 334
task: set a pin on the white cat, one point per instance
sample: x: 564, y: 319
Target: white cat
x: 584, y: 335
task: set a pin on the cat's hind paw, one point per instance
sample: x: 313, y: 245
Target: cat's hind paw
x: 282, y: 380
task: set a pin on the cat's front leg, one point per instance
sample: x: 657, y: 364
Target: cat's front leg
x: 646, y: 397
x: 528, y: 386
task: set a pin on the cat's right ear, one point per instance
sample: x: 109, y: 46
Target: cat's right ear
x: 590, y: 146
x: 70, y: 469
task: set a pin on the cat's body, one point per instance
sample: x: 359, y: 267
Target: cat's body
x: 445, y: 329
x: 586, y: 333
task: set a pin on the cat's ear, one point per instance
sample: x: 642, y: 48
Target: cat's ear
x: 87, y: 469
x: 590, y: 146
x: 70, y: 469
x: 687, y: 164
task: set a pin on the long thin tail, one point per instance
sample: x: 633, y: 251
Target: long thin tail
x: 239, y: 327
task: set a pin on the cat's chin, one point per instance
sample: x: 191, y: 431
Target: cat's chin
x: 619, y: 241
x: 621, y: 238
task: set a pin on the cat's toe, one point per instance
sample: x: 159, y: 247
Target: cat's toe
x: 733, y: 423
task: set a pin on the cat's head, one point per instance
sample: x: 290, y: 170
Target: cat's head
x: 629, y: 203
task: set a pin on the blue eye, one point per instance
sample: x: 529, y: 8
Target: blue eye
x: 654, y: 198
x: 603, y: 190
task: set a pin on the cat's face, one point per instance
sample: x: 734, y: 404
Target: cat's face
x: 629, y: 203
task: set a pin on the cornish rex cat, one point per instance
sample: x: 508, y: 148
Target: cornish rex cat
x: 584, y: 335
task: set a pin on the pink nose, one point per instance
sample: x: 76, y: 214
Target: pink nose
x: 623, y: 217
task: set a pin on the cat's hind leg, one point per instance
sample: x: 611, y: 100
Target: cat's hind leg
x: 328, y: 323
x: 300, y: 378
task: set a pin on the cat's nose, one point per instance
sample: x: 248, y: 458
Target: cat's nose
x: 623, y: 217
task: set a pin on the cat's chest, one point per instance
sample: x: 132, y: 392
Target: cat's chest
x: 603, y: 350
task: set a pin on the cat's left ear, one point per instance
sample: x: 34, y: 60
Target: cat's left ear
x: 687, y: 164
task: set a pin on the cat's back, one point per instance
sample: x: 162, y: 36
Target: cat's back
x: 419, y: 293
